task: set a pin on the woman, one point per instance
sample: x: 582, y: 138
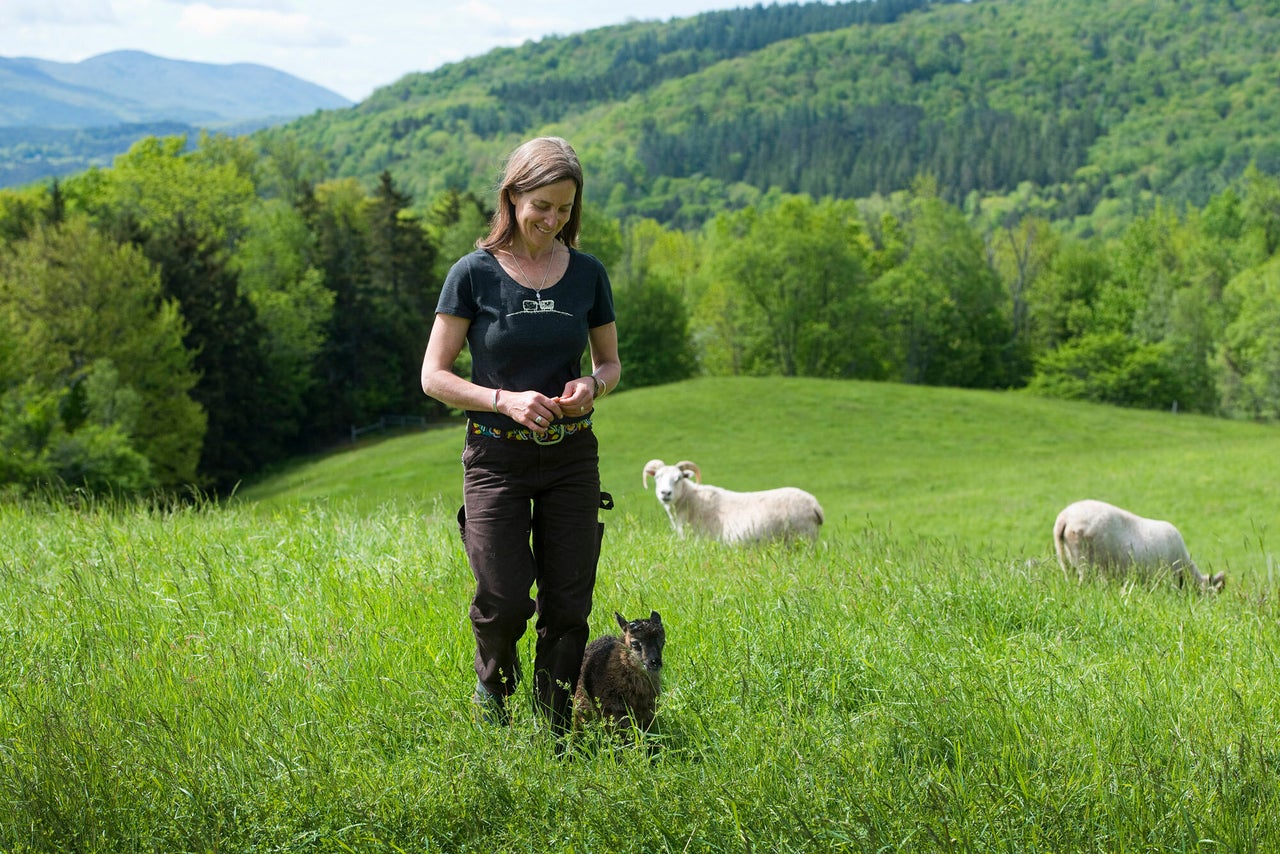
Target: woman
x: 528, y: 304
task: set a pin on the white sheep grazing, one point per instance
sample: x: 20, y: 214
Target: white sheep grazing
x: 1094, y: 533
x: 731, y: 517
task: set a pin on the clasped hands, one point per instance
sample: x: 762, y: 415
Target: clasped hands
x: 536, y: 411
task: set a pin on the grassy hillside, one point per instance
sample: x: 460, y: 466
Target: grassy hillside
x: 291, y: 673
x: 986, y: 470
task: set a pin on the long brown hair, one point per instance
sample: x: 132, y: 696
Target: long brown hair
x: 535, y: 164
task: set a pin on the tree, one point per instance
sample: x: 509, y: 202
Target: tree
x: 793, y: 279
x: 283, y: 168
x: 84, y: 312
x: 336, y: 218
x: 94, y: 450
x: 1060, y: 301
x: 189, y: 211
x: 158, y: 180
x: 1261, y: 214
x: 245, y: 429
x: 653, y: 322
x: 1172, y: 276
x: 402, y: 300
x: 275, y: 264
x: 377, y: 260
x: 944, y: 312
x: 1108, y: 367
x: 1247, y: 360
x: 601, y: 236
x: 22, y: 210
x: 454, y: 222
x: 1020, y: 255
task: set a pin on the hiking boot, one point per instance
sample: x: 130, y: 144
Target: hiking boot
x: 489, y: 708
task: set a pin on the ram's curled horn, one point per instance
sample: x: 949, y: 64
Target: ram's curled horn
x: 649, y: 469
x: 689, y: 465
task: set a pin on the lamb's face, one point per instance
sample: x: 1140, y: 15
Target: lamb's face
x: 645, y: 640
x: 668, y: 482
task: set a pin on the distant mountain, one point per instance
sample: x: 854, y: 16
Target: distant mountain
x: 131, y: 87
x: 57, y: 118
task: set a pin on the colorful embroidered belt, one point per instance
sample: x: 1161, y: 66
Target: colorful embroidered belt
x: 554, y: 433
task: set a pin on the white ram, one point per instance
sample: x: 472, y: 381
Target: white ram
x: 1115, y: 541
x: 731, y: 517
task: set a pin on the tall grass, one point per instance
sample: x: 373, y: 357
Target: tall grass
x: 294, y: 674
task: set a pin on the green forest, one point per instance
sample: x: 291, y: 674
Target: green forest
x: 1075, y: 199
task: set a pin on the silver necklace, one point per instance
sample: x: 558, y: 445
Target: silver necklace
x: 545, y: 272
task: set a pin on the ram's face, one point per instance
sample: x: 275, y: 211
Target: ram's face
x: 668, y: 481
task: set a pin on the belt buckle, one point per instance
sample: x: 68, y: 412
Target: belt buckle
x: 552, y: 437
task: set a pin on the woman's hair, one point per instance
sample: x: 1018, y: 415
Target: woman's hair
x: 535, y: 164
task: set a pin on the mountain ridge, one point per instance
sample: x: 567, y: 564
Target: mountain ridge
x: 131, y: 86
x: 59, y: 118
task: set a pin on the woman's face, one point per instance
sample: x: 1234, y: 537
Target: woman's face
x: 542, y: 212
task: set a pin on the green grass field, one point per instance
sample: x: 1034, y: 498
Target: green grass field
x: 290, y: 672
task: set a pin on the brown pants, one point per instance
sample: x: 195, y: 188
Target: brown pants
x: 530, y: 516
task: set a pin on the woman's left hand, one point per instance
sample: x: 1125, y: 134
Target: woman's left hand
x: 578, y: 398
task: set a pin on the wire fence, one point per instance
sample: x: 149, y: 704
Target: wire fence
x: 386, y: 422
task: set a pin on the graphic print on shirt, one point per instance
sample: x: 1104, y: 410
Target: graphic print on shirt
x: 538, y: 306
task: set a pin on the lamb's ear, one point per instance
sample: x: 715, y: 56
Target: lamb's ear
x: 621, y: 622
x: 655, y: 618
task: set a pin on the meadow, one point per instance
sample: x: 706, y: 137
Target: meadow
x: 290, y: 670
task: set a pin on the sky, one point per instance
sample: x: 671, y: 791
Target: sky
x: 348, y: 46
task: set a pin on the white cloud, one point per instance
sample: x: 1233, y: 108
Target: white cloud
x: 18, y: 13
x: 261, y: 26
x: 272, y: 5
x: 455, y: 30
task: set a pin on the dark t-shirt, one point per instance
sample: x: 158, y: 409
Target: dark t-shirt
x: 520, y: 339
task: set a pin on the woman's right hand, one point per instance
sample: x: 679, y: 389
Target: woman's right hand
x: 530, y: 409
